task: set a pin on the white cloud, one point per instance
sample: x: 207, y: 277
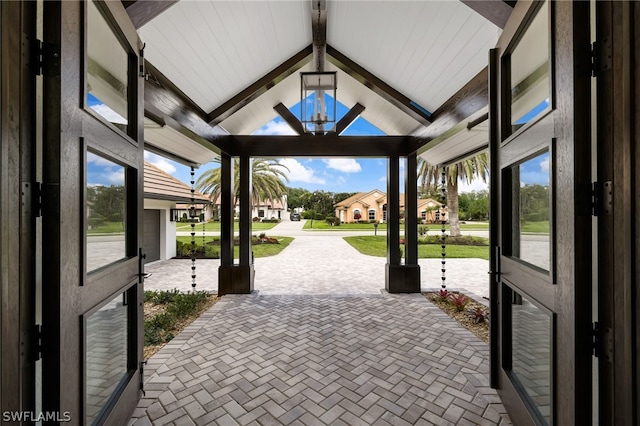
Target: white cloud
x: 109, y: 114
x: 382, y: 179
x: 275, y: 128
x: 475, y: 185
x: 544, y: 165
x: 160, y: 162
x: 299, y: 173
x: 116, y: 177
x: 345, y: 165
x: 99, y: 161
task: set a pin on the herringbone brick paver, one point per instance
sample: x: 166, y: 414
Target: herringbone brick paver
x: 356, y: 359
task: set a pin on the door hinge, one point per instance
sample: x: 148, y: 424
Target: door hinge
x: 32, y: 197
x: 602, y: 342
x: 601, y: 53
x: 602, y: 198
x: 37, y: 342
x: 46, y: 58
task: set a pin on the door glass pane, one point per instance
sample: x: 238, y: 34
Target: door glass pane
x: 106, y: 354
x: 107, y: 70
x: 529, y: 64
x: 531, y: 354
x: 531, y: 206
x: 106, y: 212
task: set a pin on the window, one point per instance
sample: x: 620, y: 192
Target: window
x: 106, y: 212
x: 531, y: 198
x: 531, y: 351
x: 356, y: 214
x: 423, y: 215
x: 107, y: 70
x: 106, y: 353
x: 529, y: 71
x: 372, y: 214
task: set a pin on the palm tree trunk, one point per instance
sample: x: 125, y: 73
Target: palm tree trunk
x: 452, y: 204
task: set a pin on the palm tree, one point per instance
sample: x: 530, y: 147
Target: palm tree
x: 468, y: 169
x: 266, y: 183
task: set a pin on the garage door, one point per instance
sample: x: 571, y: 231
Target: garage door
x: 151, y: 241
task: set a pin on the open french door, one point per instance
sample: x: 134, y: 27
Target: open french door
x: 92, y: 207
x: 540, y: 85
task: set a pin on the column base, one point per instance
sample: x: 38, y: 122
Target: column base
x: 402, y: 278
x: 235, y: 279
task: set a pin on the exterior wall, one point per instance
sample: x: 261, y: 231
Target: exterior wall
x: 370, y: 202
x: 167, y: 228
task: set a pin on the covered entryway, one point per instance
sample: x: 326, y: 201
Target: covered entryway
x: 76, y: 107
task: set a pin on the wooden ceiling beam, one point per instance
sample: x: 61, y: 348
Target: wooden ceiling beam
x: 289, y: 118
x: 348, y: 118
x: 310, y: 145
x: 471, y: 98
x: 495, y: 11
x: 378, y: 86
x: 165, y: 103
x: 142, y: 11
x: 260, y: 86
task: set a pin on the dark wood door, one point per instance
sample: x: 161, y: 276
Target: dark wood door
x: 92, y: 210
x: 540, y: 86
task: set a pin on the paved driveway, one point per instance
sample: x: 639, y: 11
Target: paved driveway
x: 318, y: 262
x: 318, y: 344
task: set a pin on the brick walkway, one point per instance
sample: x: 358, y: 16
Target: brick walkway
x: 313, y: 360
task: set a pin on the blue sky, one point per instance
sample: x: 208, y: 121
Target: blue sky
x: 535, y: 170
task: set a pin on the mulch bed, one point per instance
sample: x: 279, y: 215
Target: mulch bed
x: 465, y: 317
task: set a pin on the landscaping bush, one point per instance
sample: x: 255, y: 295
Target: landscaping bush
x: 96, y: 220
x: 307, y: 214
x: 332, y: 220
x: 463, y: 240
x: 161, y: 327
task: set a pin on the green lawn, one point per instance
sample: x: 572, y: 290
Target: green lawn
x: 259, y: 250
x: 536, y: 227
x: 107, y: 228
x: 323, y: 225
x: 215, y: 226
x: 377, y: 246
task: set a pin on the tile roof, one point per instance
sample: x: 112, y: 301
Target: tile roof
x: 159, y: 185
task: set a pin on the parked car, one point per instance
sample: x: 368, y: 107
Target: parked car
x: 295, y: 217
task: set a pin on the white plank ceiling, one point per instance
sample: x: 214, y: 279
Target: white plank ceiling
x: 213, y: 49
x: 425, y: 49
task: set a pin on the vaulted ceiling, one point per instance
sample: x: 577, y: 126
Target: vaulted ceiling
x: 227, y: 64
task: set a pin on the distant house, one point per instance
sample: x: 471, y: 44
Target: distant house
x: 372, y: 206
x: 162, y: 193
x: 263, y: 209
